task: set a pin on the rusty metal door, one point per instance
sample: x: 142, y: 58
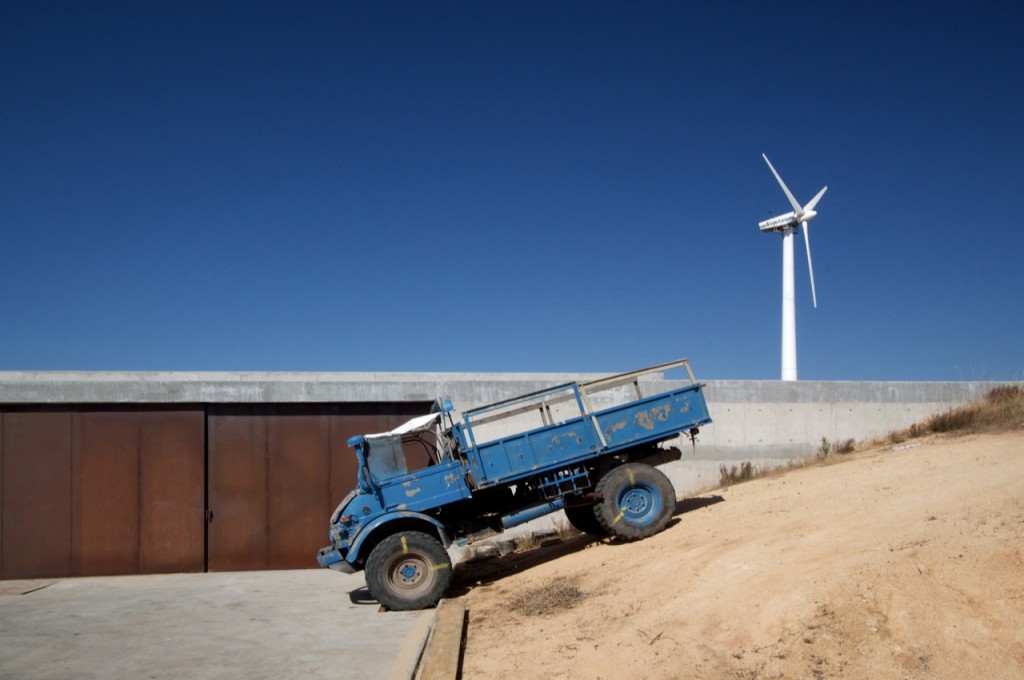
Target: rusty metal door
x: 236, y: 512
x: 172, y: 487
x: 98, y: 491
x: 298, y: 471
x: 105, y: 493
x: 35, y: 494
x: 275, y: 473
x: 137, y: 491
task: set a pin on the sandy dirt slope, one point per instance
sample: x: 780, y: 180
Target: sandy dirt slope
x: 889, y: 564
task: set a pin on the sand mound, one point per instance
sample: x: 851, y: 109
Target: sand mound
x: 890, y: 564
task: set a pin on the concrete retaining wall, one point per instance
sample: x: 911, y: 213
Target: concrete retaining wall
x: 766, y: 422
x: 771, y: 423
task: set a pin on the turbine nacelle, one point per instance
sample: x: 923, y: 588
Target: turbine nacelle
x: 790, y: 220
x: 780, y: 223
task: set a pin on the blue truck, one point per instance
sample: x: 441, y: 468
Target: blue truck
x: 493, y: 468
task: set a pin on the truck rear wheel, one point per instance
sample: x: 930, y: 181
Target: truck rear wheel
x: 637, y: 501
x: 408, y: 570
x: 583, y: 518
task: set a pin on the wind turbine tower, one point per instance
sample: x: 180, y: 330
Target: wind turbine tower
x: 786, y: 225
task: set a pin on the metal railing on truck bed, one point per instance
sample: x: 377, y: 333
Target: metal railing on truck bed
x: 583, y: 433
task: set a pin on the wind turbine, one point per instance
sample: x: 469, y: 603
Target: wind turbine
x: 786, y: 225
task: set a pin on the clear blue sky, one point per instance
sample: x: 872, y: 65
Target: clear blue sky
x: 527, y: 186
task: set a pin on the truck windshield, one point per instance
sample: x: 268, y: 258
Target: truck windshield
x: 386, y: 457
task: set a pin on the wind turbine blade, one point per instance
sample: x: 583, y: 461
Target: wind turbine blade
x: 810, y: 267
x: 814, y: 201
x: 792, y: 201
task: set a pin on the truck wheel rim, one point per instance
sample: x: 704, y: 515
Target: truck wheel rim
x: 409, y: 574
x: 639, y: 504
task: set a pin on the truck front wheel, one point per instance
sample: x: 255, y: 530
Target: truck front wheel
x: 408, y: 570
x: 637, y: 501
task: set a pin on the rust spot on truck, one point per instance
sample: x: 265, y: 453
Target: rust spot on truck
x: 645, y: 419
x: 556, y: 441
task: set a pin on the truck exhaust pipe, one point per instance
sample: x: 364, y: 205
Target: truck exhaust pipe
x: 532, y: 512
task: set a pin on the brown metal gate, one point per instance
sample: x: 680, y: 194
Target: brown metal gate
x: 106, y: 490
x: 129, y: 489
x: 171, y: 528
x: 275, y: 473
x: 35, y: 495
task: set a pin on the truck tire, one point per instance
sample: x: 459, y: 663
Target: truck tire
x: 583, y: 518
x: 637, y: 501
x: 408, y: 570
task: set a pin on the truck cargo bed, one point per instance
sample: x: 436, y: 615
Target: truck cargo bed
x: 591, y: 433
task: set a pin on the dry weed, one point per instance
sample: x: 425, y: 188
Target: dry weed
x: 557, y: 595
x: 1001, y: 410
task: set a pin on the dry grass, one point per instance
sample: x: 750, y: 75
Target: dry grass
x: 557, y: 595
x: 526, y: 542
x: 845, y: 446
x: 745, y: 471
x: 566, y: 531
x: 1001, y: 410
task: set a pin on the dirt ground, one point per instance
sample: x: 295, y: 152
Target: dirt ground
x: 888, y: 564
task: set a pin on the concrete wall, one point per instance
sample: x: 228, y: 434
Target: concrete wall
x: 70, y: 387
x: 766, y: 422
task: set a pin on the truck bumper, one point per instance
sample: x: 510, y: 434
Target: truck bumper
x: 330, y: 558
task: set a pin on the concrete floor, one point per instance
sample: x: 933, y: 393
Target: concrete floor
x: 270, y: 624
